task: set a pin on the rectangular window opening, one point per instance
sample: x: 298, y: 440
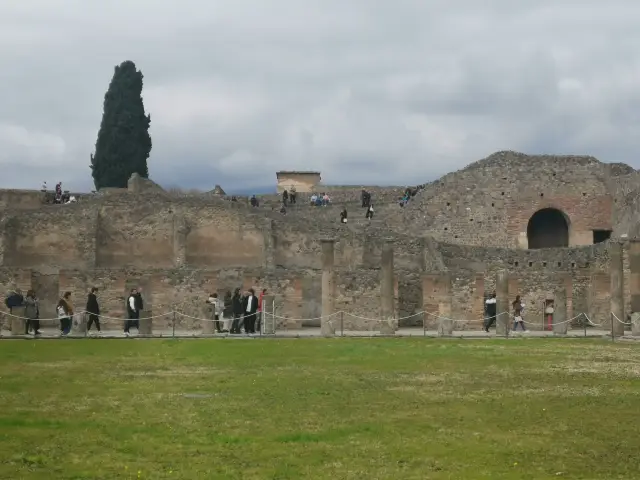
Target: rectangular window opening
x: 600, y: 236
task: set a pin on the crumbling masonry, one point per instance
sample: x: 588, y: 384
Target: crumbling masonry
x: 537, y: 226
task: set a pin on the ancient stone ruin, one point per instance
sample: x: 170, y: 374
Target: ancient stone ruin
x: 544, y: 226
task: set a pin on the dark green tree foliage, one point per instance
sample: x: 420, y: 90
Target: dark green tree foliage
x: 124, y: 143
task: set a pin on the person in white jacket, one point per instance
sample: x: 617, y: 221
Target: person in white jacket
x: 217, y: 308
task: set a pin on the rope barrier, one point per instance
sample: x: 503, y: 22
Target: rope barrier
x: 590, y: 322
x: 305, y: 319
x: 616, y: 317
x: 328, y: 317
x: 438, y: 317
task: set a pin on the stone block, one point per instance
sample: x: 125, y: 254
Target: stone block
x: 79, y: 323
x: 146, y: 322
x: 388, y: 326
x: 208, y: 325
x: 18, y: 321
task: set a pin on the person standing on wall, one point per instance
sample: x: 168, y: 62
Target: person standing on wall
x: 93, y: 309
x: 65, y: 313
x: 292, y: 194
x: 518, y: 308
x: 238, y: 311
x: 369, y: 214
x: 250, y: 308
x: 134, y: 304
x: 491, y: 312
x: 32, y: 312
x: 343, y: 215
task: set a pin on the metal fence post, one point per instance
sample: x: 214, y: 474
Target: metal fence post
x: 424, y: 324
x: 173, y: 333
x: 342, y: 324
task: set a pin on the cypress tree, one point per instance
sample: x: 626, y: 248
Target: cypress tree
x: 123, y: 143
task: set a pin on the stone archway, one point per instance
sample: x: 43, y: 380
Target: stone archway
x: 548, y: 228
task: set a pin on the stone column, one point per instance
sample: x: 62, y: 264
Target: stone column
x: 270, y: 240
x: 560, y: 327
x: 268, y: 320
x: 17, y: 321
x: 503, y: 320
x: 327, y: 323
x: 634, y: 285
x: 445, y: 307
x: 388, y: 323
x: 617, y: 288
x: 146, y: 322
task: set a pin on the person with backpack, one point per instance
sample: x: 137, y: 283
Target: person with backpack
x: 14, y: 299
x: 65, y: 313
x: 518, y: 308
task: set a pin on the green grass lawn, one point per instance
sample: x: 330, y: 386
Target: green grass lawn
x: 319, y: 408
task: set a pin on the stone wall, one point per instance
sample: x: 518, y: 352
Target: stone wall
x: 295, y: 279
x: 181, y: 248
x: 491, y: 201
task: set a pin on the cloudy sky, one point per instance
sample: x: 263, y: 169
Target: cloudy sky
x: 366, y: 91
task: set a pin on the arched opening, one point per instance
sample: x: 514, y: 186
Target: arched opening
x: 548, y: 228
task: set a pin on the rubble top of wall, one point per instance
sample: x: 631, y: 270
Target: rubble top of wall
x: 510, y: 158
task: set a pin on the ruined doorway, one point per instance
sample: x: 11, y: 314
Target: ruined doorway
x: 548, y: 228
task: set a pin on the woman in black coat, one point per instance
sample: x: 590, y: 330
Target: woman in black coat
x: 236, y: 305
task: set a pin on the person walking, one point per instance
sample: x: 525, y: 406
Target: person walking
x: 93, y: 309
x: 217, y: 308
x: 134, y: 302
x: 238, y: 312
x: 227, y: 312
x: 250, y: 307
x: 490, y: 312
x: 369, y: 214
x: 518, y: 308
x: 32, y: 313
x: 65, y: 313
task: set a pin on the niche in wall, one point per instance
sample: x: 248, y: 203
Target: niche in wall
x: 548, y: 228
x: 600, y: 236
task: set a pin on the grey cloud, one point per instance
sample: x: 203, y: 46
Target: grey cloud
x: 367, y: 91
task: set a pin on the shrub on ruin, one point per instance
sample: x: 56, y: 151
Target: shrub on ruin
x: 123, y: 143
